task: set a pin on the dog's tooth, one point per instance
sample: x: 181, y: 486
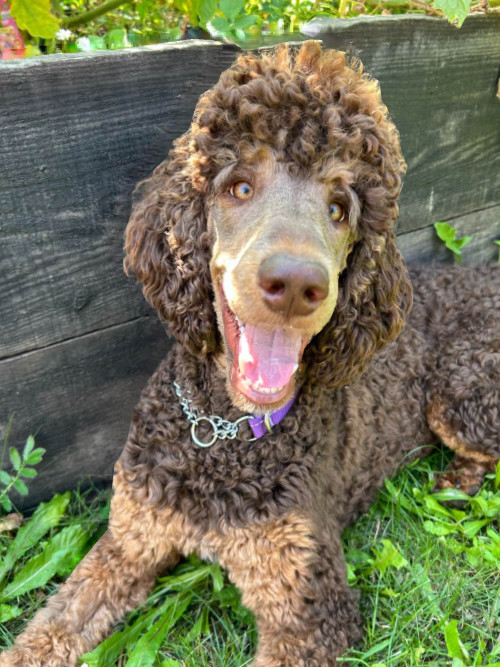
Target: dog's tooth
x: 295, y: 368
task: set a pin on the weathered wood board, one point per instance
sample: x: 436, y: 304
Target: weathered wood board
x: 440, y: 85
x: 77, y: 133
x: 77, y: 397
x: 77, y: 341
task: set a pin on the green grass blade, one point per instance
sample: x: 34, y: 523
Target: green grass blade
x: 146, y: 649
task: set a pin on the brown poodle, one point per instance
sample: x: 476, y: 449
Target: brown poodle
x: 266, y: 242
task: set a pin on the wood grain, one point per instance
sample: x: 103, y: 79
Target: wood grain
x: 77, y: 397
x: 78, y: 132
x: 440, y: 85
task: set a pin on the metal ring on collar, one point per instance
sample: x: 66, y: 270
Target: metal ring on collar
x: 196, y: 440
x: 243, y: 419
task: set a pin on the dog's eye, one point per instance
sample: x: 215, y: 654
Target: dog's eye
x: 337, y: 212
x: 241, y: 190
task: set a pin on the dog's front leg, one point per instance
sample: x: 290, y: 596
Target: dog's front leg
x: 295, y: 583
x: 114, y: 577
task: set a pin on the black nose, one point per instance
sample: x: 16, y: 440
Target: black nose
x: 292, y: 285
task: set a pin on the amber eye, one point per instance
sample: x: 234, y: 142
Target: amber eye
x: 241, y: 190
x: 337, y: 213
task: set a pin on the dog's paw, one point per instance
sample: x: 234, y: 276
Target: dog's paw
x: 53, y: 648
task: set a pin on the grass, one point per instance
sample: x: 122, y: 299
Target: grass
x: 429, y: 578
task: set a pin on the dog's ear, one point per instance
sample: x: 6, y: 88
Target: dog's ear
x: 375, y: 295
x: 168, y: 248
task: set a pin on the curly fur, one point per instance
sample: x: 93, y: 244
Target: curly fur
x: 309, y: 109
x: 272, y: 511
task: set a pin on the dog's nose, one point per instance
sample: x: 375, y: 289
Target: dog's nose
x: 292, y: 285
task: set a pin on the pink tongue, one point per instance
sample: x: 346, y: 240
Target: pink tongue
x: 268, y: 358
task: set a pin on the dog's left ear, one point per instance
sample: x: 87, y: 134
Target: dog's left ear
x: 375, y: 293
x: 168, y: 248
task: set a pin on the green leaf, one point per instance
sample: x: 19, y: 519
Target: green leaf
x: 21, y: 487
x: 220, y: 25
x: 231, y: 8
x: 245, y: 21
x: 217, y: 578
x: 35, y: 456
x: 96, y: 42
x: 454, y: 10
x: 35, y: 17
x: 206, y: 10
x: 439, y: 528
x: 146, y: 649
x: 389, y: 556
x: 453, y: 643
x: 6, y: 504
x: 450, y: 494
x: 39, y: 569
x: 5, y: 478
x: 28, y: 447
x: 116, y: 38
x: 15, y: 458
x: 470, y: 528
x: 170, y: 663
x: 8, y: 612
x: 29, y: 473
x: 445, y: 231
x: 201, y: 627
x: 46, y: 516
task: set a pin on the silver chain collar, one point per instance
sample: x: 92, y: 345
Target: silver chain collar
x: 222, y: 428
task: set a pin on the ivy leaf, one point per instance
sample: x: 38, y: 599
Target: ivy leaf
x: 35, y: 17
x: 454, y: 10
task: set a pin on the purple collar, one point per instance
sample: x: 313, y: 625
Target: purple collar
x: 262, y: 424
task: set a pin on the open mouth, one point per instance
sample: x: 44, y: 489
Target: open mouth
x: 264, y: 362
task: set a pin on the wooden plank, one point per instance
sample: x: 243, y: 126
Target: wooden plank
x: 77, y: 133
x: 423, y: 246
x: 440, y: 86
x: 77, y: 398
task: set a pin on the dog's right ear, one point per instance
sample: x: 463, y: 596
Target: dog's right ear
x: 168, y: 249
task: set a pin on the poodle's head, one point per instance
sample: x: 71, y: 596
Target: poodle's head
x: 267, y: 237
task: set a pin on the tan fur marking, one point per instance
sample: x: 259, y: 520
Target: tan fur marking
x: 450, y: 439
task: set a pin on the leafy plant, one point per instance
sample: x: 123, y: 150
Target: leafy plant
x: 498, y: 244
x: 448, y: 235
x: 56, y: 555
x: 21, y: 468
x: 72, y: 25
